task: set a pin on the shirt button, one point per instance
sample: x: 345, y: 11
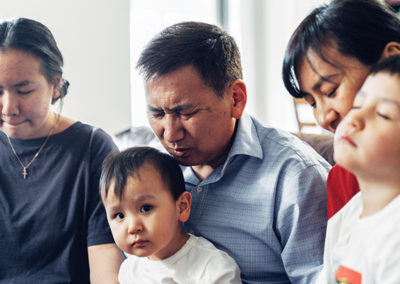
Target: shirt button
x: 199, y: 189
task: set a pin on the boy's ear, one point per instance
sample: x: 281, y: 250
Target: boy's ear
x: 238, y: 91
x: 391, y: 48
x: 183, y: 206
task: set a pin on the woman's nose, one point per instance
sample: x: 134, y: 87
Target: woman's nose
x: 9, y: 105
x: 327, y: 117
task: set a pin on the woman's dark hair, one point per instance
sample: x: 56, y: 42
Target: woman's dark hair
x: 118, y: 166
x: 31, y: 36
x: 206, y: 47
x: 357, y: 28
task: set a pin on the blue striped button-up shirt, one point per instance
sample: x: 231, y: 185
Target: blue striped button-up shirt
x: 265, y: 206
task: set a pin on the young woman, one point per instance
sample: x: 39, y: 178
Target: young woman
x: 327, y: 60
x: 53, y: 226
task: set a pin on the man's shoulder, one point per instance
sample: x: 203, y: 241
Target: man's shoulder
x: 278, y: 144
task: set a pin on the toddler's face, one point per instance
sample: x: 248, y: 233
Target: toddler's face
x: 367, y: 140
x: 146, y: 221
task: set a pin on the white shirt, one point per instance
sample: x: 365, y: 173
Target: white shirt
x: 198, y: 261
x: 363, y: 250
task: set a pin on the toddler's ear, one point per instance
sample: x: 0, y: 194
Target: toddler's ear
x: 183, y: 206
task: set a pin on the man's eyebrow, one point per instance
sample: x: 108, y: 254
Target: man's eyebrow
x: 323, y: 79
x: 176, y: 109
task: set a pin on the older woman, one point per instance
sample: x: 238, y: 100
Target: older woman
x: 327, y: 60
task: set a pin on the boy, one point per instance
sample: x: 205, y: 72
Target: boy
x: 144, y: 195
x: 363, y: 238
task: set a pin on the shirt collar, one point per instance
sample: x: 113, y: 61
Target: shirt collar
x: 246, y: 142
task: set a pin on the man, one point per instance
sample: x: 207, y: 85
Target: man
x: 258, y: 193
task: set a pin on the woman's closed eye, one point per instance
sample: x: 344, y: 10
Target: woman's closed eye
x: 21, y: 92
x: 332, y: 93
x: 310, y: 100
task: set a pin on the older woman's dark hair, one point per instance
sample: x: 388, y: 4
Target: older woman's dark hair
x: 118, y: 166
x: 209, y: 49
x: 390, y: 65
x: 33, y: 37
x: 358, y: 28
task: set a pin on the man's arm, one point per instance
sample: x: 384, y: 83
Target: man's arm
x: 104, y: 263
x: 301, y: 222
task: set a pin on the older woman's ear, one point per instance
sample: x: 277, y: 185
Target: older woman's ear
x: 391, y: 48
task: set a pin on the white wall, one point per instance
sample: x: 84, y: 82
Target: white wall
x: 262, y: 29
x: 149, y: 17
x: 93, y: 36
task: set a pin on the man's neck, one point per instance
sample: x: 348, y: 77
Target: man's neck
x: 202, y: 171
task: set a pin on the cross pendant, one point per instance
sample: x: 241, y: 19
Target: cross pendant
x: 24, y: 173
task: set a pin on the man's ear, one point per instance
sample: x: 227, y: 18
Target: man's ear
x: 239, y: 96
x: 183, y: 206
x: 390, y: 49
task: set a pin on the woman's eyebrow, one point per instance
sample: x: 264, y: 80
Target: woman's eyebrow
x: 21, y: 84
x: 323, y: 79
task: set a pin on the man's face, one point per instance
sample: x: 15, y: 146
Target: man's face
x: 191, y: 122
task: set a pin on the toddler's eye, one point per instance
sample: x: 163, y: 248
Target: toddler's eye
x: 146, y: 208
x: 119, y: 216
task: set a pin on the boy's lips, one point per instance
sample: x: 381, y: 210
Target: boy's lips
x: 348, y: 140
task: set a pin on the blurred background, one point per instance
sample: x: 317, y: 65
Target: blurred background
x: 102, y: 39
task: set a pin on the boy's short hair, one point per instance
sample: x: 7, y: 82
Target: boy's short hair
x: 118, y: 166
x: 390, y: 65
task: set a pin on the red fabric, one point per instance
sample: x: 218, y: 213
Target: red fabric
x: 342, y: 185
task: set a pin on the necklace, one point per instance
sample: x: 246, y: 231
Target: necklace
x: 25, y: 167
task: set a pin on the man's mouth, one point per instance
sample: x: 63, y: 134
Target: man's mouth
x: 179, y: 152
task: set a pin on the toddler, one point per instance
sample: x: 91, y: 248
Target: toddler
x: 143, y: 192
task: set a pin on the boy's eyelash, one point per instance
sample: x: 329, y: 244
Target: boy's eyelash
x: 384, y: 116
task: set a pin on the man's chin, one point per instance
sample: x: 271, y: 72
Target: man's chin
x: 184, y: 161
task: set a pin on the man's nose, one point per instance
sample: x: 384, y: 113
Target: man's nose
x: 173, y: 128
